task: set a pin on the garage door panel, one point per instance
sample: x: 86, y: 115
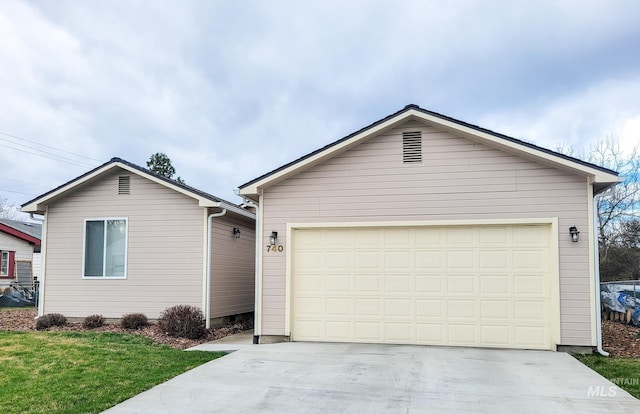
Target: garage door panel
x: 368, y: 284
x: 399, y: 284
x: 459, y: 236
x: 368, y: 307
x: 461, y: 259
x: 430, y: 308
x: 368, y: 331
x: 497, y: 335
x: 531, y: 335
x: 458, y: 284
x: 306, y: 260
x: 529, y: 285
x: 338, y: 283
x: 430, y: 285
x: 398, y: 331
x: 398, y: 308
x: 430, y: 333
x: 397, y: 238
x: 530, y: 311
x: 339, y: 307
x: 459, y: 334
x: 467, y: 286
x: 530, y: 236
x: 498, y: 260
x: 310, y: 306
x: 495, y: 237
x: 367, y: 260
x: 398, y: 261
x: 491, y: 310
x: 310, y: 283
x: 495, y: 284
x: 461, y: 309
x: 339, y: 331
x: 428, y: 260
x: 528, y: 260
x: 428, y: 236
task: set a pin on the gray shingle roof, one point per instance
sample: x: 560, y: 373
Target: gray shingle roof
x: 30, y: 229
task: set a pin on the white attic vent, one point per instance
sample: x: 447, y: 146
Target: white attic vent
x: 124, y: 184
x: 412, y: 146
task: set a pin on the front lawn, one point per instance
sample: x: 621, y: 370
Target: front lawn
x: 623, y: 372
x: 80, y: 372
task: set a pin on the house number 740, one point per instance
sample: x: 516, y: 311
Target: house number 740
x: 273, y: 249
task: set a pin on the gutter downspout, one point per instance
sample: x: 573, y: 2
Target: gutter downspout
x: 256, y: 301
x: 207, y: 287
x: 596, y: 269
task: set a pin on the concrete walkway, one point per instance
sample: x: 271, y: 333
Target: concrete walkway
x: 355, y: 378
x: 229, y: 343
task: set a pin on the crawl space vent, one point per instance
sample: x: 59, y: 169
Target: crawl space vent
x: 124, y: 184
x: 412, y: 146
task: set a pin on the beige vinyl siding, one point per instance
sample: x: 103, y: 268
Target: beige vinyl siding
x: 232, y: 266
x: 458, y: 179
x: 165, y: 250
x: 23, y: 249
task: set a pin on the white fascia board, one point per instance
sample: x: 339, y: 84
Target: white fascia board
x: 328, y: 153
x: 235, y: 209
x: 39, y: 204
x: 598, y: 175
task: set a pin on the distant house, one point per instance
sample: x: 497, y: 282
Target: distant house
x: 423, y: 229
x: 19, y: 252
x: 122, y: 239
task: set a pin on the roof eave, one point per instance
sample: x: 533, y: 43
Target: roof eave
x: 252, y: 188
x: 39, y: 204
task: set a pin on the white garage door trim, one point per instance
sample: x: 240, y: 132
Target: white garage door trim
x: 553, y: 250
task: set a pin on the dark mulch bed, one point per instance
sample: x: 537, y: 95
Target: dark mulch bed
x: 621, y: 339
x: 24, y: 320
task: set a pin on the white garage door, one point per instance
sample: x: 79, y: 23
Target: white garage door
x: 483, y: 286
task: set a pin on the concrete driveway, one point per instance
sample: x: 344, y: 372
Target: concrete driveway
x: 351, y: 378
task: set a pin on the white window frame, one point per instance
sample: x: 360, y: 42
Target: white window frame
x: 104, y: 253
x: 4, y: 262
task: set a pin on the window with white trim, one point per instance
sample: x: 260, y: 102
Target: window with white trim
x: 4, y: 263
x: 105, y: 248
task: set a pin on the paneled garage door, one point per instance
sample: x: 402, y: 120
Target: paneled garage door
x: 483, y: 286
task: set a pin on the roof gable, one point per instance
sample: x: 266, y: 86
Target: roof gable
x: 38, y: 204
x: 597, y: 174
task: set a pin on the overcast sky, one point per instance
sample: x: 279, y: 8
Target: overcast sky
x: 232, y: 89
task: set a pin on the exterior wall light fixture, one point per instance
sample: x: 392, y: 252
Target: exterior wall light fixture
x: 273, y: 238
x: 575, y: 234
x: 236, y: 232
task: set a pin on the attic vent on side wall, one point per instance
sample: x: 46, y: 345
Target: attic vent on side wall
x: 412, y: 146
x: 124, y: 184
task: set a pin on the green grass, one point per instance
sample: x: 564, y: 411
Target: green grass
x: 68, y: 372
x: 624, y: 372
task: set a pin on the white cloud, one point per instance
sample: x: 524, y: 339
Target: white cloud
x: 231, y: 90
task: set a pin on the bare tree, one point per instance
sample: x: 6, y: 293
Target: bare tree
x: 620, y: 204
x: 618, y: 210
x: 8, y: 210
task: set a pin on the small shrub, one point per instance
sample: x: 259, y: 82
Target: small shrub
x: 93, y: 322
x: 134, y: 321
x: 49, y: 320
x: 184, y: 321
